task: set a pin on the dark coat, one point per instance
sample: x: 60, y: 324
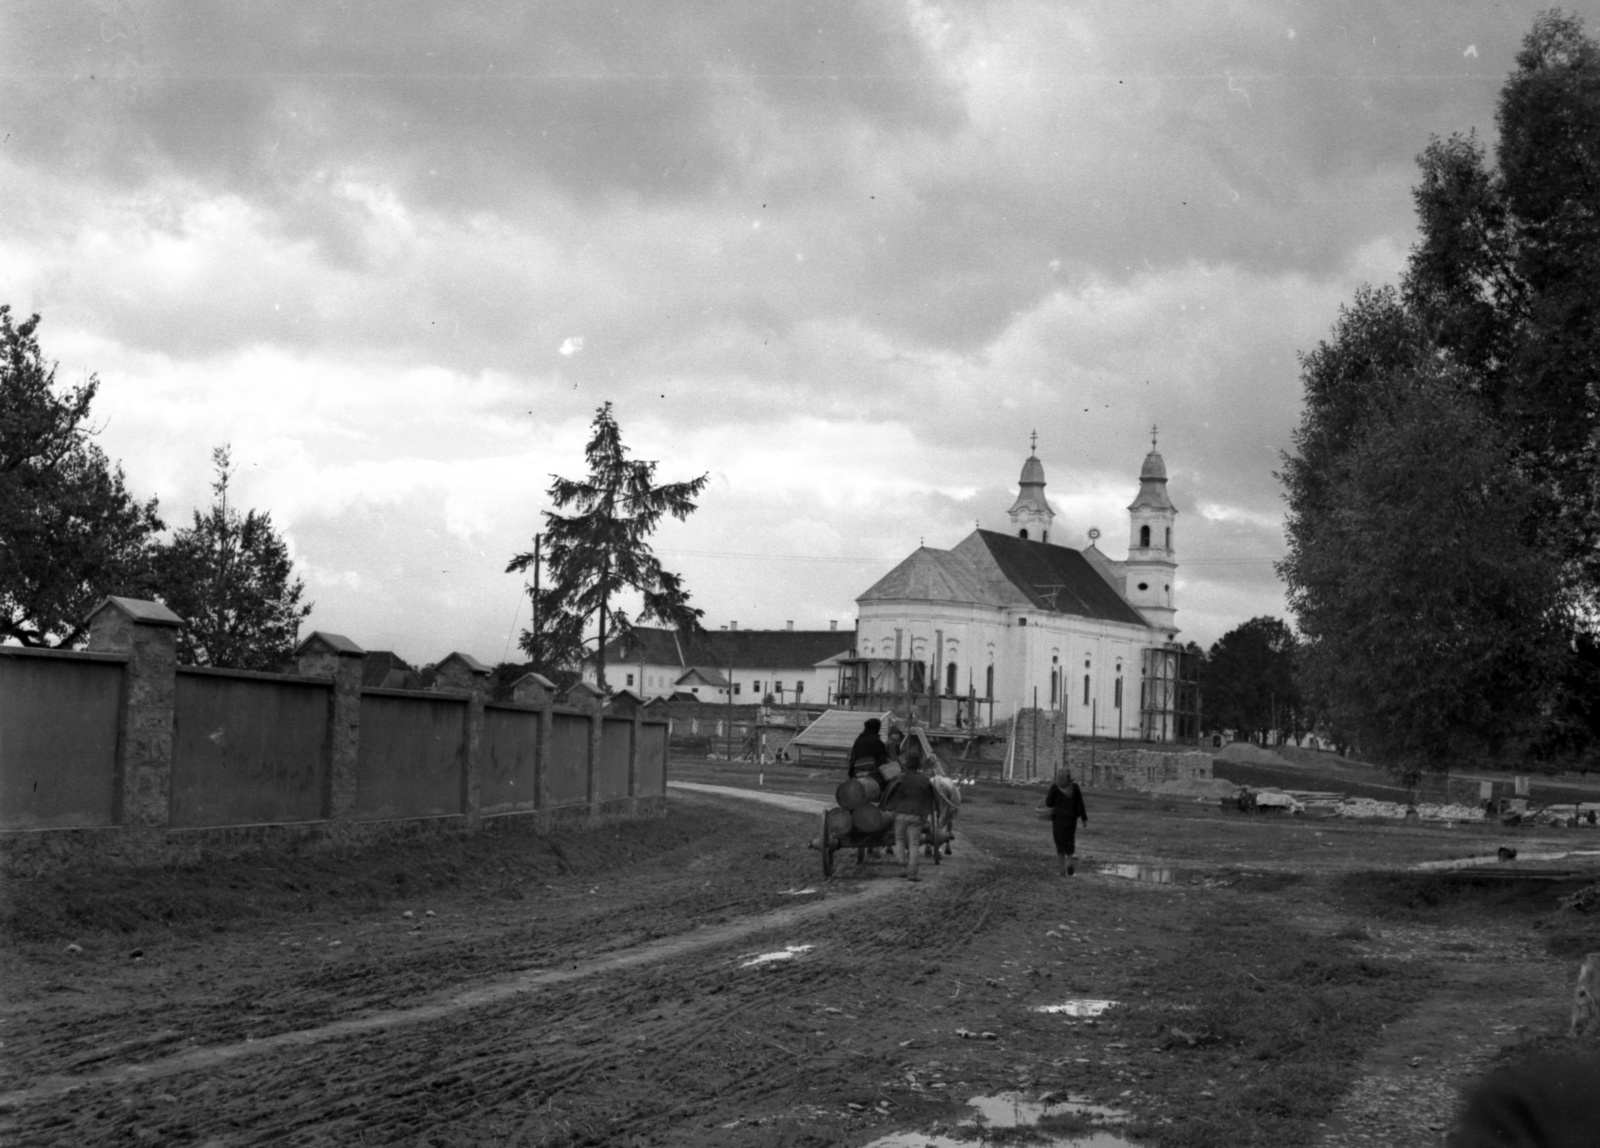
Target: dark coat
x: 868, y: 747
x: 1066, y: 804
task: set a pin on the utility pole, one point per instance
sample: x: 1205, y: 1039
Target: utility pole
x: 535, y: 625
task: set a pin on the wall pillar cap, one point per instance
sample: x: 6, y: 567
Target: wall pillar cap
x: 320, y: 641
x: 137, y: 610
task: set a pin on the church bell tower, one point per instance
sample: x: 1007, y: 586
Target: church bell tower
x: 1152, y: 565
x: 1031, y: 514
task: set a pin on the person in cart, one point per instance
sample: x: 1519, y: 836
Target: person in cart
x: 869, y: 753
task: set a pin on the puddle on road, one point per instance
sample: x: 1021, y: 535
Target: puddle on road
x: 1011, y: 1110
x: 1078, y: 1008
x: 787, y: 953
x: 1154, y: 874
x: 1496, y: 859
x: 797, y: 892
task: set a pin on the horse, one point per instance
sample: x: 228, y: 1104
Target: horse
x: 949, y: 795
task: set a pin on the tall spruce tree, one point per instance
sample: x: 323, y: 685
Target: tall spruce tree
x: 600, y: 552
x: 230, y: 578
x: 70, y: 531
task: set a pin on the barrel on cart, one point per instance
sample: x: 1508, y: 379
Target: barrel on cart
x: 857, y: 823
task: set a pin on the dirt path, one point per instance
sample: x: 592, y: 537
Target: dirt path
x: 695, y: 982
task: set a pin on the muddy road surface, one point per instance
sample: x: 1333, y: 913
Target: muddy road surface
x: 694, y: 980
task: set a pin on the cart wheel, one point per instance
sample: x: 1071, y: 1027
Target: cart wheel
x: 826, y: 841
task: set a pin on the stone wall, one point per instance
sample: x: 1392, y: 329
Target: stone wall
x: 190, y: 759
x: 1041, y: 736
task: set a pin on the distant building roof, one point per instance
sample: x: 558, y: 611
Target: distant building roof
x: 742, y: 649
x: 338, y: 643
x: 703, y: 675
x: 384, y: 669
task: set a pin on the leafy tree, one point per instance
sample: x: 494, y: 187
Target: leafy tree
x: 1444, y: 509
x: 1506, y: 275
x: 1434, y: 630
x: 229, y: 577
x: 70, y: 532
x: 600, y: 552
x: 1248, y: 678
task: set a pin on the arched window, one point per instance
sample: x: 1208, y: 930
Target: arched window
x: 1023, y: 533
x: 988, y: 683
x: 1169, y: 538
x: 1144, y: 536
x: 1118, y: 695
x: 1085, y: 689
x: 1055, y: 688
x: 950, y: 679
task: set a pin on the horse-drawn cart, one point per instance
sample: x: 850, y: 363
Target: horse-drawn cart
x: 858, y: 823
x: 842, y: 829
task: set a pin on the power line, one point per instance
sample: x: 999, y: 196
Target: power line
x: 840, y: 560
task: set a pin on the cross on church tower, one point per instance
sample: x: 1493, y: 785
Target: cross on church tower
x: 1033, y: 443
x: 1152, y: 436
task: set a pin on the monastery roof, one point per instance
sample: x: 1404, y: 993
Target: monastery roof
x: 937, y: 576
x: 1056, y: 579
x: 999, y: 571
x: 744, y: 649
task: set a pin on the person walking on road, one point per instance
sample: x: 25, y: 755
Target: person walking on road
x: 1065, y: 802
x: 911, y: 798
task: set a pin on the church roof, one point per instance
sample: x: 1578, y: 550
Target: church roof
x: 1152, y: 484
x: 1030, y: 492
x: 999, y: 571
x: 1055, y: 579
x: 934, y: 576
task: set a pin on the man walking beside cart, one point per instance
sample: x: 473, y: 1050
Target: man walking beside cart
x: 913, y: 800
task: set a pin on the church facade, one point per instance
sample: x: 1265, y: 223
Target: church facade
x: 1014, y: 621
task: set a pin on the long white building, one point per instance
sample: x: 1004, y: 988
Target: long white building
x: 1016, y: 620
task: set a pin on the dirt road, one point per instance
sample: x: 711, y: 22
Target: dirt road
x: 695, y: 981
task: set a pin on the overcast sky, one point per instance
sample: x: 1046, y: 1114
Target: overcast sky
x: 843, y: 257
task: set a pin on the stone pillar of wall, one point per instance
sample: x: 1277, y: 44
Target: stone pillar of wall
x: 541, y: 765
x: 596, y: 732
x: 633, y: 754
x: 147, y: 632
x: 463, y: 674
x: 325, y: 655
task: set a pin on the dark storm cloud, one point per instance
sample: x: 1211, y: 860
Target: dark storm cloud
x: 463, y: 104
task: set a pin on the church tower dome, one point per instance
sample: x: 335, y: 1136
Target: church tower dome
x: 1030, y: 513
x: 1152, y: 566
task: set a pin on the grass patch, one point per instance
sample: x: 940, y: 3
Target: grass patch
x: 1277, y: 1025
x: 1442, y: 895
x: 82, y: 901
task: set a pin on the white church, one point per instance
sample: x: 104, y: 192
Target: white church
x: 1007, y: 622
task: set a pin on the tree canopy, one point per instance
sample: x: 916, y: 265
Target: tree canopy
x: 601, y: 552
x: 1248, y: 680
x: 1444, y: 508
x: 230, y: 578
x: 70, y: 531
